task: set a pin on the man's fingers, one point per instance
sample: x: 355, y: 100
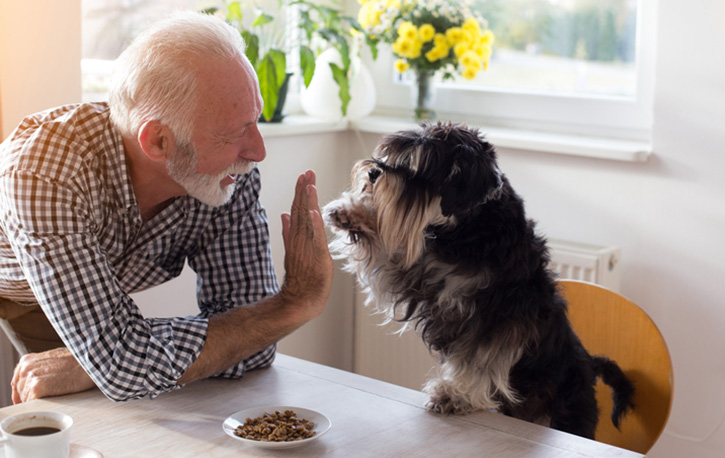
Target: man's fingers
x: 49, y: 373
x: 285, y: 227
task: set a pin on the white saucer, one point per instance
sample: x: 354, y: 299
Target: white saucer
x: 76, y: 451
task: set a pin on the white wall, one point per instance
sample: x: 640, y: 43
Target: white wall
x: 40, y: 52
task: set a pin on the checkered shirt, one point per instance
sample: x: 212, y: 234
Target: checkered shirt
x: 72, y: 240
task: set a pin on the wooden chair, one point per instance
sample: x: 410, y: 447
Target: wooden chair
x: 608, y: 324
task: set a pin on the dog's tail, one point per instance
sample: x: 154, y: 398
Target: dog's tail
x: 622, y: 387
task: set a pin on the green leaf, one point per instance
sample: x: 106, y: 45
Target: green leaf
x: 280, y: 65
x: 252, y: 51
x: 211, y: 10
x: 268, y: 85
x: 373, y: 45
x: 342, y: 81
x: 307, y: 64
x: 263, y: 19
x: 234, y: 11
x: 344, y: 49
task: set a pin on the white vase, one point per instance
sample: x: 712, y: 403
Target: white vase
x: 321, y: 98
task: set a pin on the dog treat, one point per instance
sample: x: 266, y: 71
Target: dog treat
x: 276, y: 427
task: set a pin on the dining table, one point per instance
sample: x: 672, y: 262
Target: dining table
x: 368, y: 418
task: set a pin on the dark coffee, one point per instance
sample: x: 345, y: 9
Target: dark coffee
x: 37, y: 431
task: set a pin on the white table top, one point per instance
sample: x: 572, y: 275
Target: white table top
x: 369, y: 419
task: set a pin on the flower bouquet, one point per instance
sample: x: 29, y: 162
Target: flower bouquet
x: 427, y: 37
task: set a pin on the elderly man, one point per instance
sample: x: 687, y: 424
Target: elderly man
x: 101, y: 200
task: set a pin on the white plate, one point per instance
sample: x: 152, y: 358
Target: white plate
x: 322, y: 425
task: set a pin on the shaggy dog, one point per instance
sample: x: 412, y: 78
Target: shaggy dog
x: 440, y: 241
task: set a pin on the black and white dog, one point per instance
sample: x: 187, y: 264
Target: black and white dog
x: 440, y: 241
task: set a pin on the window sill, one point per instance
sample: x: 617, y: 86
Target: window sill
x: 300, y: 124
x: 514, y: 139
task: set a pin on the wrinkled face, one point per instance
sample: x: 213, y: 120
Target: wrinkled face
x: 226, y: 140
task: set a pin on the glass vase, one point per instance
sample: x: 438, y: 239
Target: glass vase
x: 423, y: 92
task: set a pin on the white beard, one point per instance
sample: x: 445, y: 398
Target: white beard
x: 207, y: 188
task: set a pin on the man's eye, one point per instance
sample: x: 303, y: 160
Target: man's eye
x: 373, y: 175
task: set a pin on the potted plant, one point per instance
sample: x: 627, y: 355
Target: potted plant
x: 327, y: 26
x: 323, y: 26
x: 266, y: 54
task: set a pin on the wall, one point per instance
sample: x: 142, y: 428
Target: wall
x: 40, y: 52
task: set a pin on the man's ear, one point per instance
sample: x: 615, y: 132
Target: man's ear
x: 156, y: 140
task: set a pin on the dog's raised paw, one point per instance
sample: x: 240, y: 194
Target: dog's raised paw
x: 340, y: 219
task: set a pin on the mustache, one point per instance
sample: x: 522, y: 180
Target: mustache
x: 240, y: 168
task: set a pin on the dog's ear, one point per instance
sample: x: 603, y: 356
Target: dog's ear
x: 474, y: 178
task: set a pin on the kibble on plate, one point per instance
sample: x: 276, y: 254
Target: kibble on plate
x: 276, y: 427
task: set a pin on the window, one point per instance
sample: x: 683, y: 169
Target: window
x: 563, y: 46
x: 582, y: 67
x: 108, y: 26
x: 571, y: 66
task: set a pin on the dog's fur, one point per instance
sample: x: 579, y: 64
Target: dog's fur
x: 440, y: 240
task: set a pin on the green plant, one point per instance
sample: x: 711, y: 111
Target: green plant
x: 327, y: 24
x: 264, y: 51
x: 324, y: 25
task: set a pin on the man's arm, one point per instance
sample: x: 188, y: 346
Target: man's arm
x: 236, y: 334
x: 239, y: 333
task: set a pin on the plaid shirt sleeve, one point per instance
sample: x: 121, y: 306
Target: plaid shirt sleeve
x: 234, y: 267
x: 52, y: 220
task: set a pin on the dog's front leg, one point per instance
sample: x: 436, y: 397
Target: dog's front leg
x: 459, y: 389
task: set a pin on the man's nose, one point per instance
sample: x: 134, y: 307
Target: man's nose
x: 254, y: 150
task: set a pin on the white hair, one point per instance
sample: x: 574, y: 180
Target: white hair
x: 153, y: 78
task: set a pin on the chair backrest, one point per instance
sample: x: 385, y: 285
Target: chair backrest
x: 610, y: 325
x: 17, y: 343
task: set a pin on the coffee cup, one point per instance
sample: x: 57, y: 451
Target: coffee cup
x: 36, y: 435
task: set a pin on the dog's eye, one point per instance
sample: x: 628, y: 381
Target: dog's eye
x: 373, y: 175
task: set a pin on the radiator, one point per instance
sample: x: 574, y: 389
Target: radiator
x: 403, y: 359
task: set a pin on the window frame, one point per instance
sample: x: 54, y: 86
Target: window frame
x: 590, y: 115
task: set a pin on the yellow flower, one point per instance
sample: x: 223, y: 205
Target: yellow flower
x: 459, y: 49
x: 367, y: 16
x: 440, y: 40
x: 401, y: 65
x: 469, y: 73
x: 488, y: 38
x: 472, y: 25
x: 454, y: 35
x: 433, y: 55
x: 426, y: 32
x: 407, y: 48
x: 470, y: 59
x: 467, y: 37
x: 408, y: 30
x: 483, y: 50
x: 417, y: 47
